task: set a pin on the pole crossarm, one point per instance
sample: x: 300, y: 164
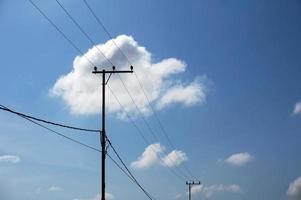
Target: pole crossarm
x: 190, y: 184
x: 111, y: 71
x: 193, y: 183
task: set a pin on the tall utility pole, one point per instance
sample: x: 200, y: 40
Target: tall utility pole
x: 103, y: 131
x: 190, y: 184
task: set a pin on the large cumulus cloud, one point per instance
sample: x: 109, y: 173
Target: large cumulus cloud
x: 81, y: 90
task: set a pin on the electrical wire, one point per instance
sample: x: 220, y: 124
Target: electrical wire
x: 129, y: 117
x: 183, y: 175
x: 141, y: 133
x: 4, y: 108
x: 129, y: 172
x: 106, y: 30
x: 60, y: 31
x: 55, y: 132
x: 83, y: 31
x: 161, y: 124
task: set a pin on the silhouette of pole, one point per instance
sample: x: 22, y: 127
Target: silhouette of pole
x: 103, y: 135
x: 190, y: 184
x: 103, y: 130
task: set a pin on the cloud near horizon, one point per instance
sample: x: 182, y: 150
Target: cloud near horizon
x: 151, y: 156
x: 55, y: 189
x: 81, y: 90
x: 297, y: 108
x: 294, y: 190
x: 108, y: 196
x: 10, y: 159
x: 209, y: 191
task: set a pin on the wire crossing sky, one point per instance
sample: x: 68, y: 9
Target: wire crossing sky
x: 215, y: 97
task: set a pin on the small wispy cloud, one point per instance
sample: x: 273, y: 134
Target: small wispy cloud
x: 10, y: 159
x: 55, y: 189
x: 297, y: 108
x: 294, y: 189
x: 151, y: 156
x: 211, y: 190
x: 177, y: 196
x: 108, y: 196
x: 239, y: 159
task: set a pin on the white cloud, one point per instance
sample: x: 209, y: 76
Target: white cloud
x: 151, y: 156
x: 10, y: 159
x: 174, y: 158
x: 294, y: 190
x: 208, y: 191
x: 297, y: 109
x: 38, y: 190
x: 81, y: 90
x: 239, y: 159
x: 177, y: 196
x: 188, y: 95
x: 55, y: 189
x: 108, y: 196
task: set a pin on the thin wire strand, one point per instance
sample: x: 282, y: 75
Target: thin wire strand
x: 150, y: 129
x: 4, y: 108
x: 141, y: 133
x: 160, y: 124
x: 129, y: 172
x: 55, y: 132
x: 106, y: 30
x: 83, y: 31
x: 60, y: 31
x: 129, y: 117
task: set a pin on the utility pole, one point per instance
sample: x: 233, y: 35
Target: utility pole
x: 103, y: 131
x: 190, y: 184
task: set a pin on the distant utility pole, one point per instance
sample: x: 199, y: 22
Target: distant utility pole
x: 190, y: 184
x: 103, y: 131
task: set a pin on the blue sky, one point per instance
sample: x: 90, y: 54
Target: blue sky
x: 238, y: 126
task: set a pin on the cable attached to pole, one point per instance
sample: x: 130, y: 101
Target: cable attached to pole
x: 4, y: 108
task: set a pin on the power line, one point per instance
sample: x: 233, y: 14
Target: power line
x: 131, y: 174
x: 129, y: 117
x: 55, y: 132
x: 4, y: 108
x: 161, y: 124
x: 149, y: 127
x: 127, y: 172
x: 60, y: 31
x: 141, y: 133
x: 83, y: 31
x: 106, y: 30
